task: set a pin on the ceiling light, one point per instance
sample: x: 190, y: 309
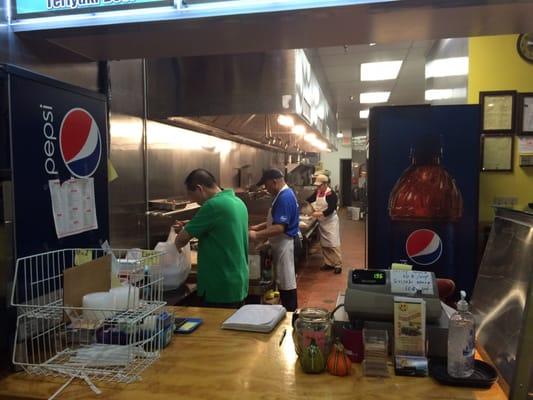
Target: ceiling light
x: 298, y: 129
x: 443, y: 94
x: 363, y: 114
x: 380, y: 71
x: 453, y: 66
x: 340, y: 135
x: 286, y: 120
x: 351, y: 98
x: 372, y: 44
x: 374, y: 97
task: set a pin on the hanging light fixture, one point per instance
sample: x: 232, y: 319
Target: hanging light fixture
x: 286, y: 120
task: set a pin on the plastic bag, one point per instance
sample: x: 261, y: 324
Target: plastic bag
x: 175, y: 266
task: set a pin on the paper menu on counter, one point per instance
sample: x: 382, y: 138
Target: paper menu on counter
x: 408, y: 282
x: 409, y: 326
x: 73, y: 206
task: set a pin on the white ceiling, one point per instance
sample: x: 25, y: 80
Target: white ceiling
x: 341, y: 67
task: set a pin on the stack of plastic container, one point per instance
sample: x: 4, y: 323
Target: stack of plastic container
x: 376, y: 345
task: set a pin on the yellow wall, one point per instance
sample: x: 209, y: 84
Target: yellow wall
x: 496, y: 65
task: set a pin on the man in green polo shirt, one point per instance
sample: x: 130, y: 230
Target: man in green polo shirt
x: 221, y: 226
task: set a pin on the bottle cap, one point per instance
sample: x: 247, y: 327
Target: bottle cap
x: 462, y: 305
x: 428, y: 147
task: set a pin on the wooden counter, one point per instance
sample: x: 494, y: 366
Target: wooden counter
x: 215, y: 364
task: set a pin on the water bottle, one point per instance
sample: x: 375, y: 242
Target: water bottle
x: 461, y: 341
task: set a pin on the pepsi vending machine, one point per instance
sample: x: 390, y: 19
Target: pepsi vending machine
x: 51, y: 134
x: 423, y: 182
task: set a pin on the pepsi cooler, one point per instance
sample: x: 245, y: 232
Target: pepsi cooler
x: 423, y: 180
x: 49, y: 131
x: 58, y: 131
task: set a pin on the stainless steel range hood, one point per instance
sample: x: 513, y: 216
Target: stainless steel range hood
x: 241, y: 97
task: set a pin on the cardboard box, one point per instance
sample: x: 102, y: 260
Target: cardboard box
x: 93, y: 276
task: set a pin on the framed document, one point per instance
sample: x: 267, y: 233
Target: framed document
x: 498, y: 110
x: 525, y: 114
x: 497, y: 153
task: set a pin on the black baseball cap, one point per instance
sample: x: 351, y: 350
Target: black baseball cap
x: 272, y: 173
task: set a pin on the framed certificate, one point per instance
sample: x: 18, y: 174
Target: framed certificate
x: 497, y: 153
x: 525, y: 114
x: 498, y: 110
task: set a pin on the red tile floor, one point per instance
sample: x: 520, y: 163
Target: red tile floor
x: 318, y: 288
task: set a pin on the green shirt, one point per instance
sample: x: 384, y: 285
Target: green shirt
x: 221, y: 226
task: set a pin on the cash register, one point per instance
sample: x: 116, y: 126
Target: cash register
x: 370, y: 293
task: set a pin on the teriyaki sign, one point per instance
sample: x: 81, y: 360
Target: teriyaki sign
x: 48, y: 8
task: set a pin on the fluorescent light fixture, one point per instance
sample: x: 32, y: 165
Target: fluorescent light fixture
x: 443, y: 94
x: 453, y: 66
x: 380, y: 71
x: 340, y: 135
x: 374, y: 97
x: 286, y: 120
x: 363, y: 114
x: 319, y: 144
x: 8, y: 11
x: 310, y: 137
x: 298, y: 129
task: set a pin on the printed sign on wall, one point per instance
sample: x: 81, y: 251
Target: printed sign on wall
x: 49, y: 8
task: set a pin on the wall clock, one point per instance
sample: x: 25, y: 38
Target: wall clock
x: 524, y: 46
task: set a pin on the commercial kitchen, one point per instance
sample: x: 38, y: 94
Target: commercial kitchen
x: 397, y: 135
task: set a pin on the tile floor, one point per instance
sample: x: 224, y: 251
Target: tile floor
x: 318, y: 288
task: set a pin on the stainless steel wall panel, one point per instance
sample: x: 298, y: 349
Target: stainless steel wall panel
x: 127, y: 200
x: 170, y: 167
x: 172, y: 154
x: 127, y: 203
x: 240, y: 156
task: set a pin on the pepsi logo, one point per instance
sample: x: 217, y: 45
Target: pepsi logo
x: 80, y: 143
x: 423, y: 247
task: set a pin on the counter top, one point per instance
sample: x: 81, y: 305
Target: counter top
x: 217, y: 364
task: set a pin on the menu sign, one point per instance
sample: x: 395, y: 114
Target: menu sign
x: 49, y: 8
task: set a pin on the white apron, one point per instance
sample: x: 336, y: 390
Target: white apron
x: 282, y: 255
x: 327, y: 226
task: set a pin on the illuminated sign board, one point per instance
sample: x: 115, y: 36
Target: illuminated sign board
x: 49, y: 8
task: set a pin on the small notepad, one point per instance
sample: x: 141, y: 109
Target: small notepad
x: 255, y: 318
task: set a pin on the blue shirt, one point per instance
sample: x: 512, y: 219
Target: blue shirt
x: 285, y: 212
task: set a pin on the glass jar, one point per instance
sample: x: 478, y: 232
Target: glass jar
x: 312, y: 335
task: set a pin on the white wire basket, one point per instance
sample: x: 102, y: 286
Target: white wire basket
x: 114, y: 343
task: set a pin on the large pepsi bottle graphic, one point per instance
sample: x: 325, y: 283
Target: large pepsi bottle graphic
x: 424, y: 205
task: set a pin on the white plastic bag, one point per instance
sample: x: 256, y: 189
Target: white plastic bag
x: 175, y: 266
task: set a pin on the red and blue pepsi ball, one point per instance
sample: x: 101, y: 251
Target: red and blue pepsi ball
x: 80, y: 143
x: 424, y: 247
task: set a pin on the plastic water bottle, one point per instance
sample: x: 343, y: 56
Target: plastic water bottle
x: 461, y: 334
